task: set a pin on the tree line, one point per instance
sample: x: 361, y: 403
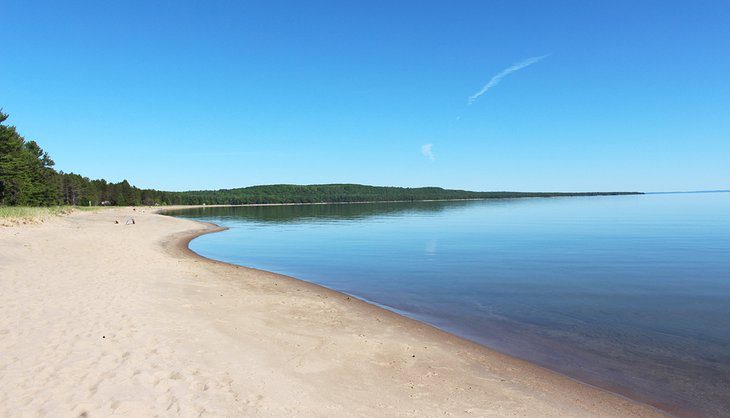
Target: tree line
x: 28, y: 178
x: 346, y: 193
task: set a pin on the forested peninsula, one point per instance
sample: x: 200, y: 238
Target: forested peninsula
x: 28, y: 178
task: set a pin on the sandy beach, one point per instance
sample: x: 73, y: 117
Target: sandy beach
x: 100, y: 319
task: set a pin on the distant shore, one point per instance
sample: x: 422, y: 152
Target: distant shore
x: 176, y: 207
x: 109, y: 318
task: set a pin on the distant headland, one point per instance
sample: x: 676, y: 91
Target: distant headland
x: 344, y: 193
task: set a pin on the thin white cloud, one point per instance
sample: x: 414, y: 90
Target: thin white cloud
x: 427, y: 151
x: 497, y: 78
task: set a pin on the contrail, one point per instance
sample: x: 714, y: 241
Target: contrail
x: 497, y: 78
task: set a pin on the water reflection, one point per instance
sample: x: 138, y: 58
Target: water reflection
x: 303, y: 213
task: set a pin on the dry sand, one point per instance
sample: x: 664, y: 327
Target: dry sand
x: 104, y: 319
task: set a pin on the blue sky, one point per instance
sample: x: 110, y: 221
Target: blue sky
x: 196, y: 95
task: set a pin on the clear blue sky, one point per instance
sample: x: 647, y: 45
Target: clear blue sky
x: 633, y: 95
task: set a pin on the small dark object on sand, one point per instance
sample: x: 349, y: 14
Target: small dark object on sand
x: 116, y: 221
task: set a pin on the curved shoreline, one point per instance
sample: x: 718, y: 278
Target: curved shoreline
x: 182, y: 245
x: 98, y: 317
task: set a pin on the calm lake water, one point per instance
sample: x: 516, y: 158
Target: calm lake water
x: 629, y: 293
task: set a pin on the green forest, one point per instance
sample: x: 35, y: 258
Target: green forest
x: 28, y: 178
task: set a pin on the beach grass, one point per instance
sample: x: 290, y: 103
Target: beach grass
x: 14, y: 215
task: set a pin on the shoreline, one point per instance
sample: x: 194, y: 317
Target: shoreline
x: 184, y: 246
x: 210, y: 337
x: 162, y: 209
